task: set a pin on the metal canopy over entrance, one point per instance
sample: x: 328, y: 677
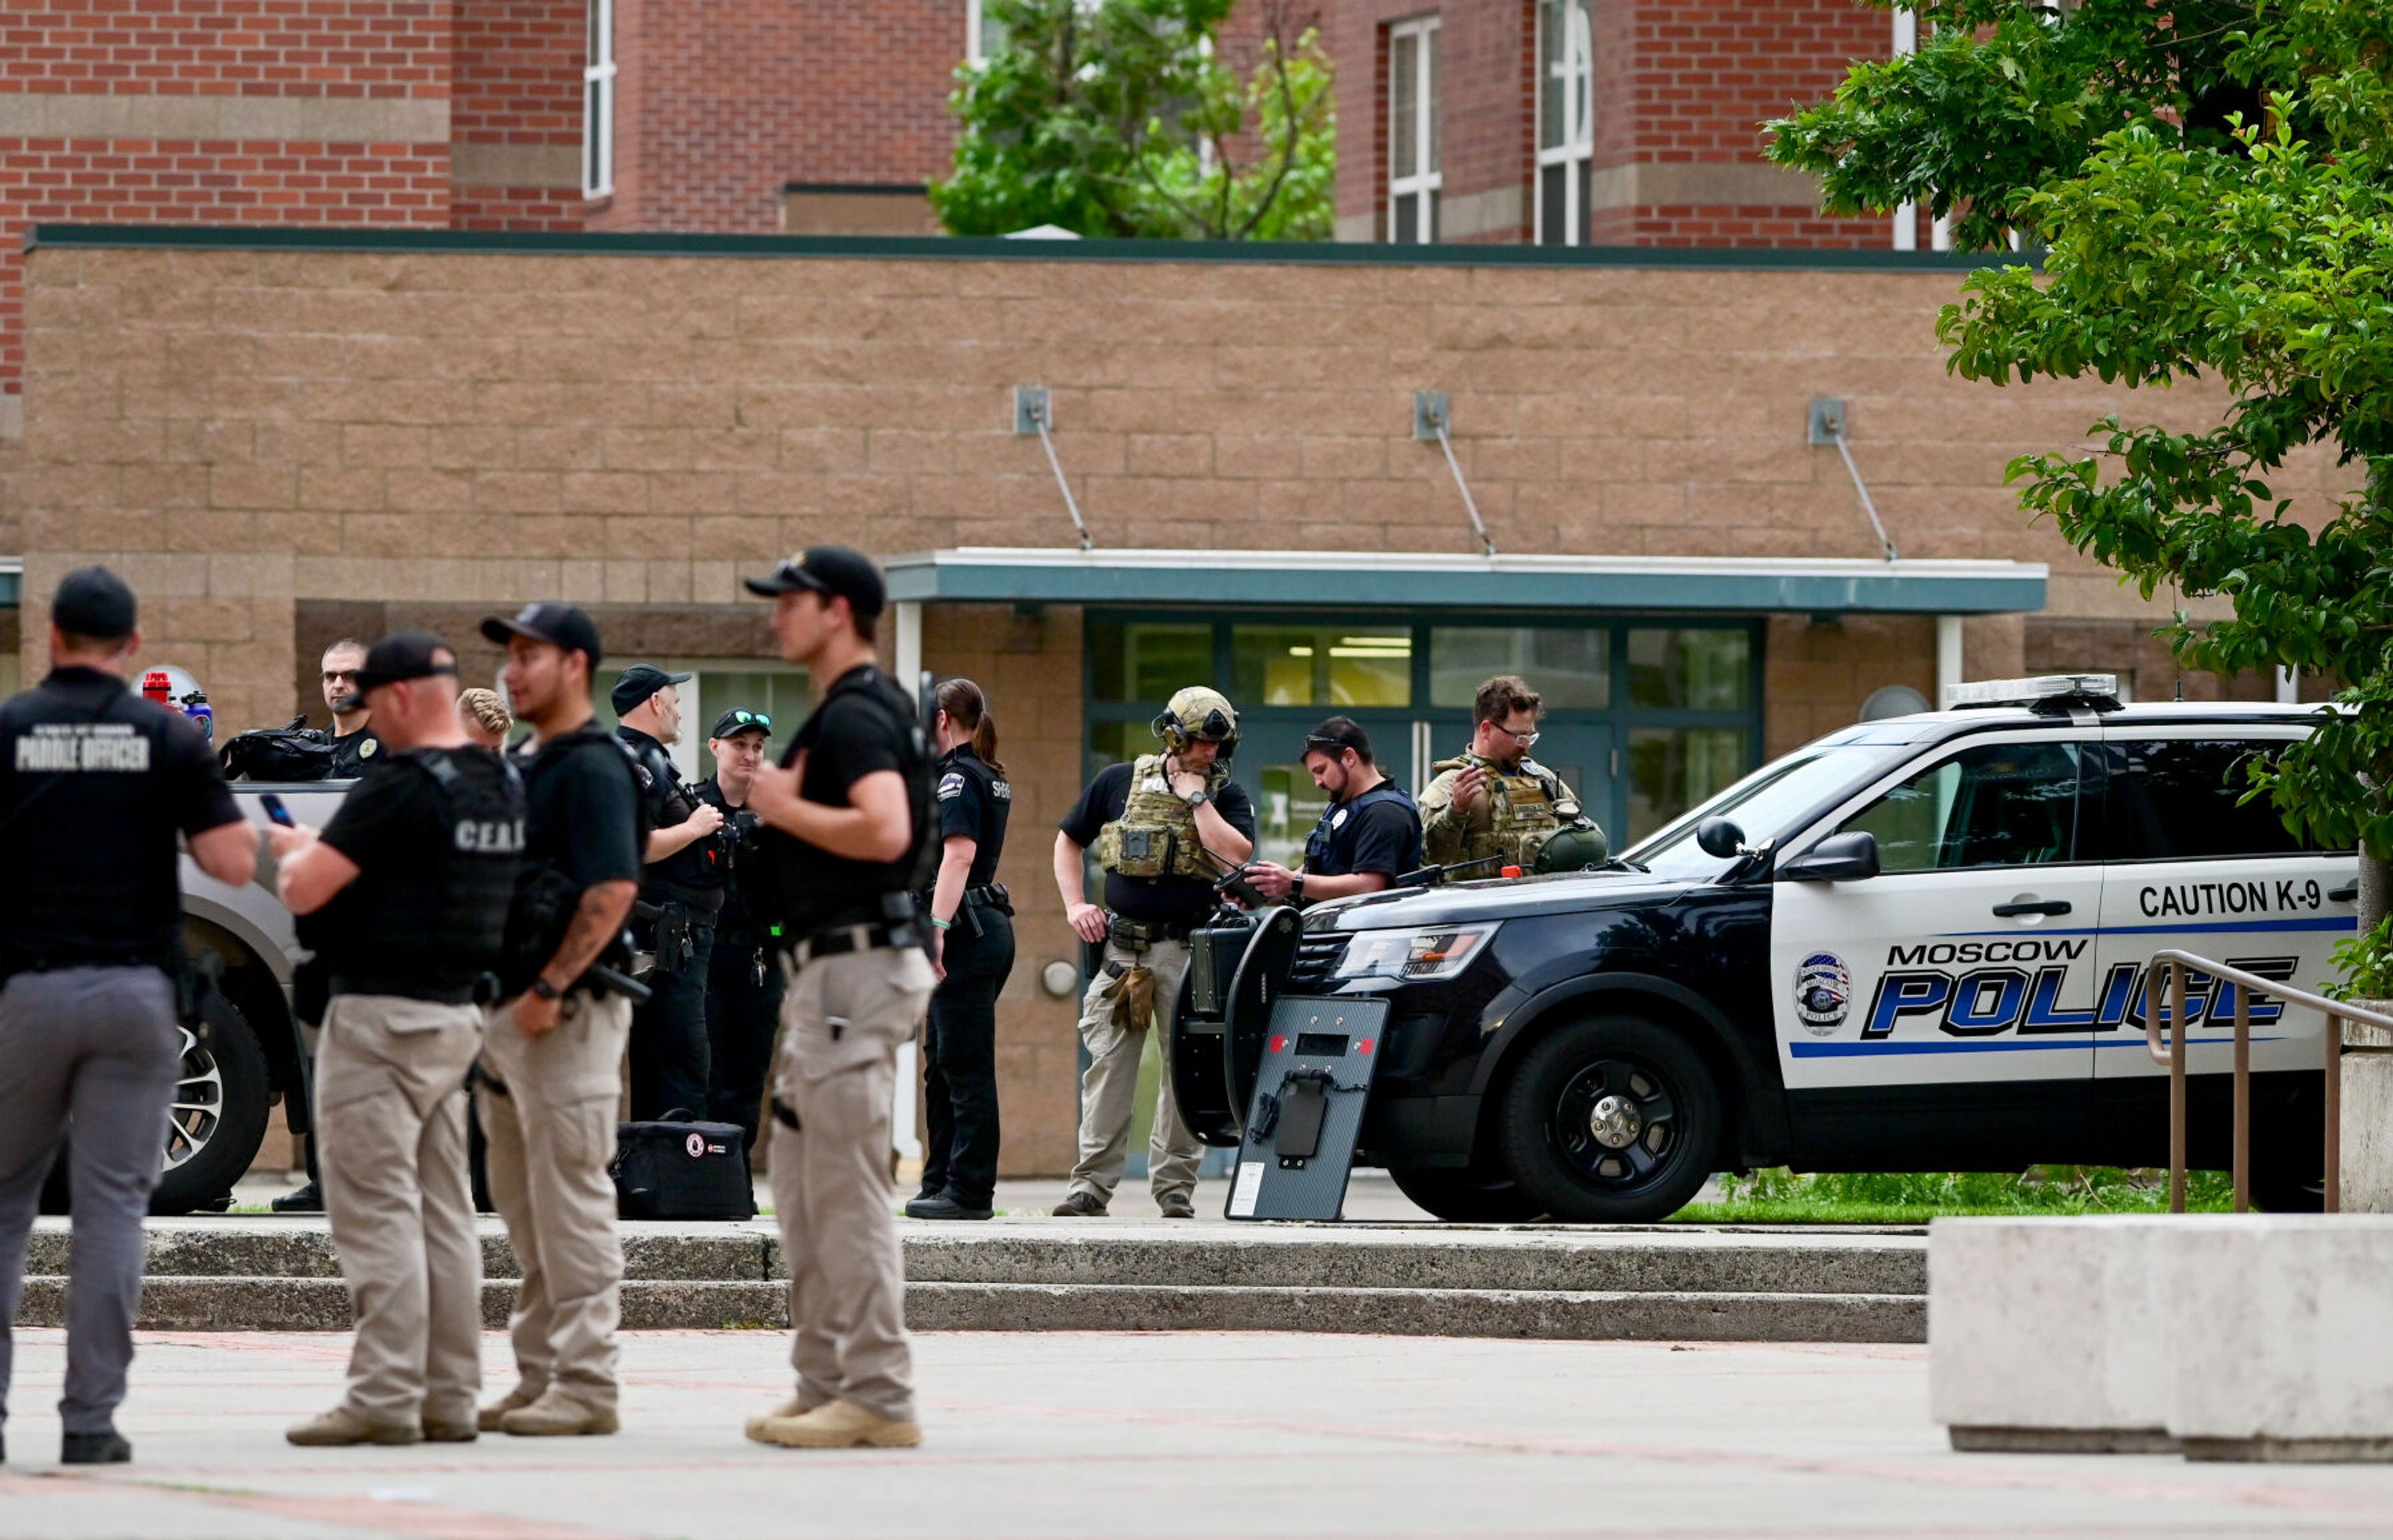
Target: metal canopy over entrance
x: 1439, y: 582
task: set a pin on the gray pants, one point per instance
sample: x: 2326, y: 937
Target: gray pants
x: 552, y: 1132
x: 1110, y: 1087
x: 841, y: 1022
x: 390, y: 1121
x: 99, y: 1045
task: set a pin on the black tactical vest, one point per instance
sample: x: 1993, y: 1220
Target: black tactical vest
x: 432, y: 923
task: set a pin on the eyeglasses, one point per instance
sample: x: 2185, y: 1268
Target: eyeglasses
x: 1331, y: 746
x: 341, y: 676
x: 753, y: 718
x: 1526, y: 740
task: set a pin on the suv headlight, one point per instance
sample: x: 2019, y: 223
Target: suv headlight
x: 1424, y: 953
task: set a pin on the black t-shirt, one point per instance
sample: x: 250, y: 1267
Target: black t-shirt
x: 584, y: 808
x: 846, y: 738
x: 738, y: 917
x: 1176, y: 900
x: 1377, y: 832
x: 353, y: 753
x: 428, y: 910
x: 692, y: 875
x: 975, y: 800
x: 95, y: 784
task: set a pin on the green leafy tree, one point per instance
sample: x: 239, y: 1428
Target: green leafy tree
x: 1116, y: 119
x: 2211, y: 187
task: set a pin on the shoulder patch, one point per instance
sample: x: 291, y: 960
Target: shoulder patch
x: 367, y: 749
x: 951, y: 785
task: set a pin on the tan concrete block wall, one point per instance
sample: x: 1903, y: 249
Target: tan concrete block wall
x: 1029, y: 669
x: 1815, y: 675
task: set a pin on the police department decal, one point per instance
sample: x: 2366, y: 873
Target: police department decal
x: 1824, y: 992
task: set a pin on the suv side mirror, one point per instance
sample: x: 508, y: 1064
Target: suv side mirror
x: 1719, y: 836
x: 1838, y: 858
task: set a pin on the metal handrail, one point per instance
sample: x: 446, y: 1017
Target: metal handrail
x: 2172, y: 1053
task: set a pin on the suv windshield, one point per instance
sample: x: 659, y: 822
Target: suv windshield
x: 1767, y: 804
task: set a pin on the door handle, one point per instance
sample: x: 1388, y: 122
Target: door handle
x: 2343, y: 895
x: 2048, y: 906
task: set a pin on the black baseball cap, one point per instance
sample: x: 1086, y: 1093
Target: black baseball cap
x: 833, y: 572
x: 739, y: 719
x: 94, y: 602
x: 560, y: 625
x: 405, y: 654
x: 639, y: 682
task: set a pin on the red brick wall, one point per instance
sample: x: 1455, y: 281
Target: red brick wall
x: 518, y: 83
x: 252, y: 47
x: 722, y: 101
x: 1485, y: 66
x: 55, y: 50
x: 1675, y: 85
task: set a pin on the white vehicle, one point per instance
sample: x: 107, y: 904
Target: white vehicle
x: 1918, y: 944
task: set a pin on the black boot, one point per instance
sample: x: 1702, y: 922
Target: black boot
x: 108, y: 1448
x: 306, y: 1200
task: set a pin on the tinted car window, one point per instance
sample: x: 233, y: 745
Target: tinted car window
x: 2182, y: 800
x: 1998, y: 805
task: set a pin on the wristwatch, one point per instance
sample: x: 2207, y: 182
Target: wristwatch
x: 546, y: 990
x: 1200, y: 797
x: 1296, y: 884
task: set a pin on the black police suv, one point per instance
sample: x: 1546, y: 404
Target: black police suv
x: 1918, y: 944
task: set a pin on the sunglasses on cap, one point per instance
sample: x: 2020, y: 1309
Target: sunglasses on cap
x: 753, y: 718
x: 1333, y: 747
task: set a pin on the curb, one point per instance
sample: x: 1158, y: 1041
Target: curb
x: 183, y: 1303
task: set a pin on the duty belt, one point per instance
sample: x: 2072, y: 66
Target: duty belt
x: 992, y: 894
x: 835, y: 940
x: 1139, y: 935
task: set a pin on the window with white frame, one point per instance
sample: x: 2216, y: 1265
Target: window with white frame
x: 984, y: 34
x: 598, y: 103
x: 1413, y: 178
x: 1565, y: 121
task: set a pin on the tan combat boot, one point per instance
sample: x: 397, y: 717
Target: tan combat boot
x: 840, y: 1425
x: 789, y: 1409
x: 342, y: 1426
x: 487, y: 1418
x: 558, y: 1415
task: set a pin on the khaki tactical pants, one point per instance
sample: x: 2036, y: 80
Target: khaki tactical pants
x: 390, y: 1141
x: 835, y: 1069
x: 1110, y: 1086
x: 552, y: 1132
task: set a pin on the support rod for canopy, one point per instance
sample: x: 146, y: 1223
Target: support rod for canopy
x: 1032, y: 414
x: 1431, y: 419
x: 1828, y: 427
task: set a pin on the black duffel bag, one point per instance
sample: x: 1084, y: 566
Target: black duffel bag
x: 293, y: 753
x: 673, y: 1169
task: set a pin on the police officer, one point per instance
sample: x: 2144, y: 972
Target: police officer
x: 744, y: 978
x: 352, y: 736
x: 848, y: 821
x: 1163, y: 825
x: 1492, y: 804
x: 418, y: 869
x: 553, y: 1053
x: 95, y: 785
x: 681, y: 889
x: 971, y: 943
x: 1370, y: 835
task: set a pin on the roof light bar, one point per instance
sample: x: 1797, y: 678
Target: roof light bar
x: 2100, y: 691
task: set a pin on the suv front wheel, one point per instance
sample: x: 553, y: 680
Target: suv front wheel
x: 1611, y: 1120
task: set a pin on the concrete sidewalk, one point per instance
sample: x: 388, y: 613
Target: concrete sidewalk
x: 1258, y: 1437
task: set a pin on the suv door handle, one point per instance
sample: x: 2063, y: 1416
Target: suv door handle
x: 2049, y: 906
x: 2343, y: 895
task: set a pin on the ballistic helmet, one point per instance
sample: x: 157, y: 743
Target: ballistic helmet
x: 1199, y: 712
x: 1574, y: 849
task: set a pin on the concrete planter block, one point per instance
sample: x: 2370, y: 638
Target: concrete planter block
x: 2049, y: 1335
x: 2282, y: 1344
x: 2367, y: 1163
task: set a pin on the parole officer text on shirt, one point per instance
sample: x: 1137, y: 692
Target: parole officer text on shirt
x: 95, y: 785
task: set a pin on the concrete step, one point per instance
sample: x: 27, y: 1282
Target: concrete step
x: 1155, y: 1254
x: 198, y: 1303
